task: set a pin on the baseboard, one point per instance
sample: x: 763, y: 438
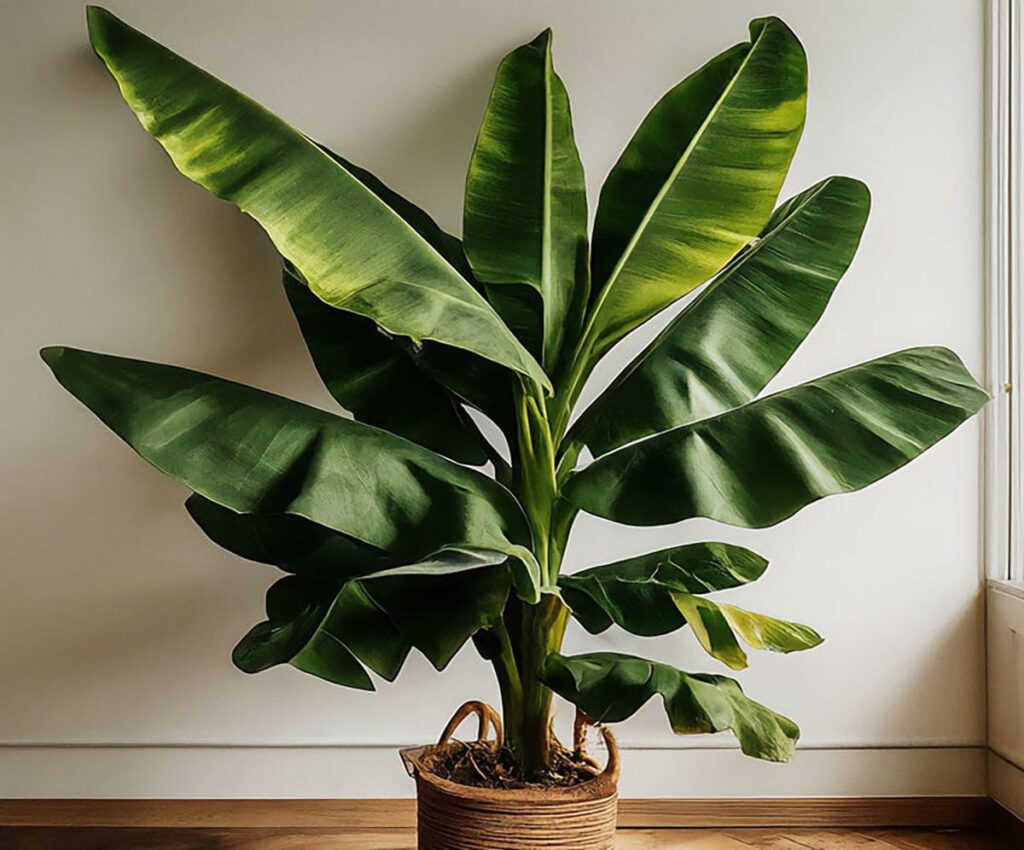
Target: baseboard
x: 305, y: 773
x: 400, y: 814
x: 1006, y: 784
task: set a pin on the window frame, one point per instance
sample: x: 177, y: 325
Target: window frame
x: 1004, y: 444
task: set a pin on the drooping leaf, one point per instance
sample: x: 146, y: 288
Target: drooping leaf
x: 761, y: 632
x: 254, y: 452
x: 725, y: 347
x: 359, y: 624
x: 610, y: 687
x: 295, y: 607
x: 636, y: 594
x: 761, y: 463
x: 355, y: 252
x: 439, y: 603
x: 287, y: 541
x: 526, y: 206
x: 698, y: 180
x: 720, y: 628
x: 375, y: 379
x: 331, y: 630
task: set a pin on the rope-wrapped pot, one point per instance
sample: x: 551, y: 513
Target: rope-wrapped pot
x: 452, y: 816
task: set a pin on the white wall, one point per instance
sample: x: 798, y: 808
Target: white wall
x: 117, y: 616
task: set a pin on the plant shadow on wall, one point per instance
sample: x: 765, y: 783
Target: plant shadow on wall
x: 405, y: 529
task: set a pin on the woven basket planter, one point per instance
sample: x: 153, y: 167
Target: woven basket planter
x: 451, y: 816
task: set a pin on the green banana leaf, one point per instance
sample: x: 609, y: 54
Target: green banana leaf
x: 526, y: 204
x: 291, y: 543
x: 479, y: 382
x: 355, y: 252
x: 378, y: 378
x: 440, y: 602
x: 331, y: 632
x: 636, y: 594
x: 448, y: 246
x: 374, y: 378
x: 761, y: 463
x: 719, y: 629
x: 296, y: 606
x: 610, y: 687
x: 725, y: 347
x: 254, y: 452
x: 698, y: 180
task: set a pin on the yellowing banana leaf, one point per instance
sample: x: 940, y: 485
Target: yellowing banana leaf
x: 611, y: 687
x: 711, y: 629
x: 725, y: 347
x: 719, y: 629
x: 254, y: 452
x: 697, y: 181
x: 760, y: 632
x: 526, y: 204
x: 761, y: 463
x: 355, y: 252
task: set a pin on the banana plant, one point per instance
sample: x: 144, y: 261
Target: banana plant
x: 401, y: 527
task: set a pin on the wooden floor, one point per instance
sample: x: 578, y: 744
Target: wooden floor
x: 52, y: 838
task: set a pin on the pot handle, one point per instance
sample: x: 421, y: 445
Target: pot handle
x: 579, y: 743
x: 488, y: 717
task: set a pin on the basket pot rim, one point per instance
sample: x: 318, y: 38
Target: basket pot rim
x: 602, y: 786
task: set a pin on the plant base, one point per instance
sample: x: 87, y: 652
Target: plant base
x: 451, y: 816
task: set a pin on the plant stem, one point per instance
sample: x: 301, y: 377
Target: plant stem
x: 528, y: 720
x: 530, y: 633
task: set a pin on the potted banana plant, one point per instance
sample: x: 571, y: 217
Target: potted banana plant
x: 405, y: 528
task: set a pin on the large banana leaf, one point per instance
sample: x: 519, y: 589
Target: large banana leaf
x: 637, y: 593
x: 611, y: 687
x: 526, y: 204
x: 448, y: 246
x: 331, y: 631
x: 355, y: 252
x: 297, y: 545
x: 254, y: 452
x: 698, y: 180
x: 761, y: 463
x: 440, y: 602
x: 376, y: 380
x: 375, y: 376
x: 292, y: 543
x: 725, y: 347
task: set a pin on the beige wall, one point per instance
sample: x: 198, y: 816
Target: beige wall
x: 117, y: 617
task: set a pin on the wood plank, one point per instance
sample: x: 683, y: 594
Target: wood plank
x: 99, y: 838
x: 826, y: 812
x: 821, y: 812
x: 664, y: 839
x: 879, y: 839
